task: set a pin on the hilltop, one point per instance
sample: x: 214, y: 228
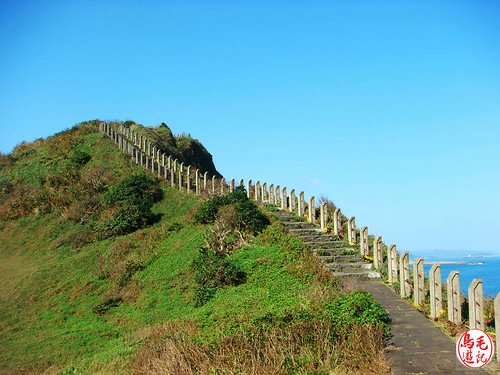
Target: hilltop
x: 105, y: 269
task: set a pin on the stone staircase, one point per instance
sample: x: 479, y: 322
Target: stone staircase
x: 342, y: 259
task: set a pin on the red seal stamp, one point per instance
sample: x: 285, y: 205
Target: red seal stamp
x: 474, y: 348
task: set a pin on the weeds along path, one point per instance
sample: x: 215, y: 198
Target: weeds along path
x: 416, y: 346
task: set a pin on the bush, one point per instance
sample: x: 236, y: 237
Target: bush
x: 214, y: 270
x: 249, y: 217
x: 79, y: 158
x: 358, y: 308
x: 130, y: 202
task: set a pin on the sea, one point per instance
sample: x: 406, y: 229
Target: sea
x: 471, y: 265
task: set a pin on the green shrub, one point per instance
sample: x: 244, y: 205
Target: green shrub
x: 131, y: 201
x: 212, y: 271
x: 357, y: 308
x: 79, y: 158
x: 249, y: 217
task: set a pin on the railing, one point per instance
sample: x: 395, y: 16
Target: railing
x: 187, y: 178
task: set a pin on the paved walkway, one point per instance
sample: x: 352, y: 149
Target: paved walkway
x: 416, y: 346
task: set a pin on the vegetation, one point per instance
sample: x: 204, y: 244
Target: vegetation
x: 75, y: 301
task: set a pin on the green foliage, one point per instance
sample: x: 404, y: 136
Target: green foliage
x: 249, y: 217
x: 357, y: 308
x: 212, y: 271
x: 104, y: 306
x: 79, y: 158
x: 130, y: 202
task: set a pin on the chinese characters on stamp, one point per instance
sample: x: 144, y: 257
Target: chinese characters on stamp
x: 474, y: 348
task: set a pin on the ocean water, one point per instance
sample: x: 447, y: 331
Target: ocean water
x: 471, y: 266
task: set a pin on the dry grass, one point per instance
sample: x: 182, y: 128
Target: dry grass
x: 301, y: 347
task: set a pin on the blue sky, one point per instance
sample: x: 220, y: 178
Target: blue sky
x: 390, y: 109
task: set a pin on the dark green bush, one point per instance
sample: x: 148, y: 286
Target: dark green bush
x: 249, y: 217
x: 212, y: 271
x: 357, y: 308
x: 133, y: 199
x: 79, y: 158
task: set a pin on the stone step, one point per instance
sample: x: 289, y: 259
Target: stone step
x: 298, y: 224
x: 349, y: 267
x: 326, y: 244
x: 340, y: 258
x: 360, y: 275
x: 337, y: 251
x: 306, y: 231
x: 319, y: 239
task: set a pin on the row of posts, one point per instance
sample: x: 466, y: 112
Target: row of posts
x: 171, y: 170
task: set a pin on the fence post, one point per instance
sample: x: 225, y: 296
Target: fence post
x: 336, y: 221
x: 249, y: 186
x: 453, y: 294
x: 418, y: 281
x: 351, y: 230
x: 392, y: 264
x: 231, y: 185
x: 284, y: 204
x: 404, y: 275
x: 323, y: 215
x: 242, y: 183
x: 257, y: 190
x: 301, y: 204
x: 222, y: 185
x: 197, y: 181
x: 363, y: 241
x: 271, y: 194
x: 312, y: 210
x: 377, y: 252
x: 292, y: 200
x: 436, y: 292
x: 476, y: 308
x: 213, y: 185
x: 277, y: 200
x: 205, y: 176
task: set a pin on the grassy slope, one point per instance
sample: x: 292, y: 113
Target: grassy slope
x: 48, y: 292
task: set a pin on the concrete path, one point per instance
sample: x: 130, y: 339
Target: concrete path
x: 416, y: 346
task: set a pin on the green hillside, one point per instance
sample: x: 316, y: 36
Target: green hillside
x: 90, y: 283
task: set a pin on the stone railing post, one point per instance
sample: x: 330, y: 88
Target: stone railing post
x: 377, y: 252
x: 213, y: 185
x: 454, y: 300
x: 263, y: 195
x: 404, y: 275
x: 188, y: 179
x: 392, y: 263
x: 418, y: 281
x: 222, y: 185
x: 497, y: 319
x: 205, y: 176
x: 336, y: 221
x: 301, y: 205
x: 242, y: 183
x: 363, y: 241
x: 249, y: 187
x: 323, y: 214
x: 277, y: 200
x: 231, y: 185
x: 436, y: 292
x: 292, y: 200
x: 257, y: 190
x: 284, y: 198
x: 181, y: 175
x: 271, y: 194
x: 197, y: 181
x: 312, y: 210
x: 351, y: 230
x: 476, y: 308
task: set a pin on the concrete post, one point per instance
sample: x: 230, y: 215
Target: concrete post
x: 205, y: 176
x: 271, y: 194
x: 169, y: 162
x: 263, y: 195
x: 454, y: 300
x: 404, y: 275
x: 284, y: 204
x: 277, y: 200
x: 231, y: 186
x: 418, y: 282
x: 292, y: 200
x: 312, y: 210
x: 181, y: 175
x: 323, y: 215
x: 336, y: 221
x: 242, y: 183
x: 136, y: 156
x: 363, y: 241
x: 188, y: 179
x: 377, y: 252
x: 197, y: 181
x: 249, y: 187
x: 222, y: 185
x: 165, y: 169
x: 351, y: 230
x: 436, y: 292
x: 301, y: 205
x: 497, y: 319
x: 392, y: 263
x: 213, y: 184
x: 476, y: 308
x: 257, y: 190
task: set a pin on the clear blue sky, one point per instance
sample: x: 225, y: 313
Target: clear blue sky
x: 389, y: 108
